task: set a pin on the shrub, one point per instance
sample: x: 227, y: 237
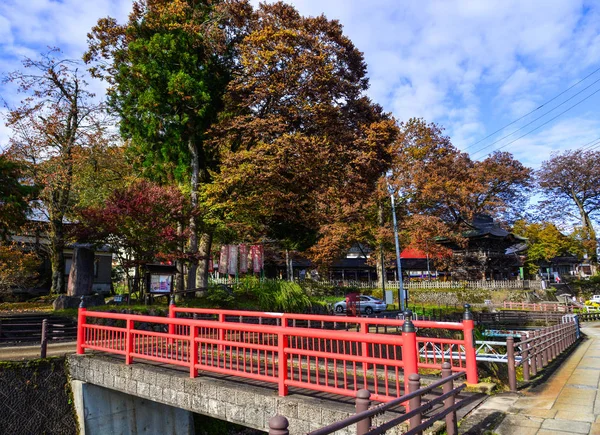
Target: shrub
x: 18, y: 269
x: 274, y: 295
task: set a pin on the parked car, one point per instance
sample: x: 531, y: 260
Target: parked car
x: 594, y: 302
x: 366, y: 304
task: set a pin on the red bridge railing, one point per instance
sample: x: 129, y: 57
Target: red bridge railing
x: 335, y: 361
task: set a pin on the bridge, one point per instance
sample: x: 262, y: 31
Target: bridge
x: 245, y: 367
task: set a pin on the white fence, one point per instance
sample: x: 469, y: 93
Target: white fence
x: 488, y: 285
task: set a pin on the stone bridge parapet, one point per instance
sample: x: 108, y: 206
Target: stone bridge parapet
x: 229, y: 399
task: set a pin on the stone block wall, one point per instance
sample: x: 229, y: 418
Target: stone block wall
x: 232, y: 400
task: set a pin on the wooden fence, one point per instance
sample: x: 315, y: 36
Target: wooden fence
x: 416, y: 285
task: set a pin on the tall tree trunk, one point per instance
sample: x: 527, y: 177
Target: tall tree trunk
x: 57, y: 259
x: 193, y: 244
x: 288, y: 266
x: 179, y: 264
x: 586, y: 223
x: 380, y: 266
x: 204, y: 260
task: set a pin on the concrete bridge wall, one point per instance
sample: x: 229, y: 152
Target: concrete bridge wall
x: 230, y: 400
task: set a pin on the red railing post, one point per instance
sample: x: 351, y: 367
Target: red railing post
x: 81, y: 327
x: 469, y: 338
x: 129, y: 342
x: 193, y: 349
x: 451, y: 423
x: 364, y: 329
x: 510, y: 357
x: 410, y: 352
x: 172, y: 315
x: 282, y: 366
x: 363, y: 401
x: 414, y: 383
x: 222, y: 332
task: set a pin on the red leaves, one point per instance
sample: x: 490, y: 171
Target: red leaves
x: 141, y: 219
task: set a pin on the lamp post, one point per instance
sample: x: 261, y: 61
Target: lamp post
x: 398, y: 263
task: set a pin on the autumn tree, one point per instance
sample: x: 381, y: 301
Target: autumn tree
x: 302, y: 147
x: 570, y: 182
x: 167, y: 68
x: 546, y: 241
x: 431, y: 176
x: 140, y: 224
x: 55, y: 121
x: 14, y: 196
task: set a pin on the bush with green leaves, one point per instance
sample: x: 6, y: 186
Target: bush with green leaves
x: 274, y: 295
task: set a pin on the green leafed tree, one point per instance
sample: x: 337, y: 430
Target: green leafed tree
x: 167, y: 69
x: 546, y: 241
x: 14, y: 196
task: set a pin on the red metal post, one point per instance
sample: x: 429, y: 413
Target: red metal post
x: 129, y: 342
x: 193, y: 357
x: 469, y: 336
x: 410, y: 352
x: 414, y: 383
x: 510, y: 357
x: 363, y: 401
x: 364, y: 329
x: 282, y: 366
x: 451, y: 423
x: 81, y: 327
x: 222, y: 332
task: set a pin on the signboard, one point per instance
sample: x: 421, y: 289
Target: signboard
x: 160, y: 283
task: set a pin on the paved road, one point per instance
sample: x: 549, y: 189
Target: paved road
x: 567, y: 403
x: 21, y: 353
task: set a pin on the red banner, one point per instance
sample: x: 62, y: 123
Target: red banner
x: 223, y: 259
x: 233, y: 260
x: 257, y: 258
x: 243, y: 258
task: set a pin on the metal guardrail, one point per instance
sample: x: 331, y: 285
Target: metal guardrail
x: 539, y: 349
x: 414, y: 403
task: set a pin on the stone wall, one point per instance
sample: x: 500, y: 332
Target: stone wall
x: 35, y: 398
x: 231, y: 400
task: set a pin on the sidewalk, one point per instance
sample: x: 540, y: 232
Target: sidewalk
x: 568, y: 403
x: 21, y: 353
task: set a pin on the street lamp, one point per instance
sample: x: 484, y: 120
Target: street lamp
x: 398, y: 263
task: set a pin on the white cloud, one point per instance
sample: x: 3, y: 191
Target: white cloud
x: 470, y: 65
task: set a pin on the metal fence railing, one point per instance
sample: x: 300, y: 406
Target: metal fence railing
x: 283, y: 354
x: 542, y: 346
x: 421, y: 412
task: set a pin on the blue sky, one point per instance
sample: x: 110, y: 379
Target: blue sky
x: 472, y: 66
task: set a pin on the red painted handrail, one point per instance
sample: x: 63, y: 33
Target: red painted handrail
x: 331, y: 361
x: 442, y: 347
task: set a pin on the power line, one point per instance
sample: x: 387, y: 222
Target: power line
x: 534, y: 110
x: 538, y: 118
x: 590, y: 144
x: 541, y: 125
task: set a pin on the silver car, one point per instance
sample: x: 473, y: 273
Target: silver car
x: 366, y: 304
